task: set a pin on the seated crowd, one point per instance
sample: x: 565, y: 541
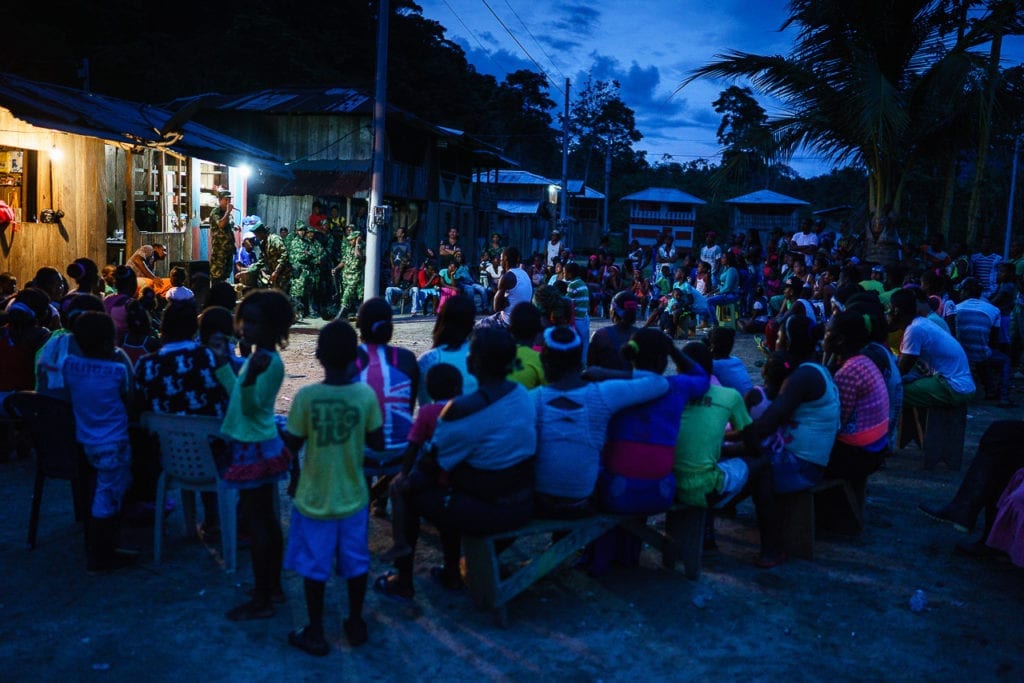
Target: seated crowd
x: 589, y: 423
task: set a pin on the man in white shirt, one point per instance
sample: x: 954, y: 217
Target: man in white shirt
x: 554, y: 246
x: 710, y: 253
x: 949, y: 383
x: 805, y: 241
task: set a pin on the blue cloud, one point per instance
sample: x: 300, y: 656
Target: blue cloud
x: 578, y: 19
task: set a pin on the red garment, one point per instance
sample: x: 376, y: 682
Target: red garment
x: 315, y: 219
x: 427, y: 283
x: 863, y: 402
x: 1008, y: 529
x: 17, y: 364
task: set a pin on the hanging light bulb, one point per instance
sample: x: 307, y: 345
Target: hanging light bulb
x: 56, y: 153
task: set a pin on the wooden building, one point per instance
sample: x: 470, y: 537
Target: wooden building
x: 325, y: 135
x: 764, y: 211
x: 528, y: 206
x: 660, y: 210
x: 94, y: 176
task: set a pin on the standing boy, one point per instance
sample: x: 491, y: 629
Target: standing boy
x: 99, y: 386
x: 336, y: 420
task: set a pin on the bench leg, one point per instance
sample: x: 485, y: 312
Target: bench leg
x: 481, y: 570
x: 685, y: 528
x: 798, y: 524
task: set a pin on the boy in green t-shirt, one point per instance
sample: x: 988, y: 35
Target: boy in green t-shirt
x: 336, y: 420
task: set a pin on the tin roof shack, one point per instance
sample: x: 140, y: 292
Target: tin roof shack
x: 528, y: 209
x: 327, y: 139
x: 764, y: 211
x: 662, y: 210
x: 86, y: 174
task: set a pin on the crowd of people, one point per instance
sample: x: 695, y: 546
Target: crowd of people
x: 589, y: 422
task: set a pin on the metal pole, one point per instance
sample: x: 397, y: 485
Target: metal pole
x: 607, y: 176
x: 1009, y: 205
x: 371, y: 276
x: 564, y: 199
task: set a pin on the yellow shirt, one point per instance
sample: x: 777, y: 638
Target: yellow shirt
x: 334, y: 420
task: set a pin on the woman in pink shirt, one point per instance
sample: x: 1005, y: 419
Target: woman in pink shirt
x: 862, y: 442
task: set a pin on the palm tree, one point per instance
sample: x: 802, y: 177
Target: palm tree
x: 869, y: 82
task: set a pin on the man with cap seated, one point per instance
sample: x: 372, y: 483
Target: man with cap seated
x: 272, y: 260
x: 222, y: 238
x: 143, y: 262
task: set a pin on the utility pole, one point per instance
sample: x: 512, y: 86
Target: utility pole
x: 374, y: 217
x: 1009, y: 205
x: 607, y: 176
x: 564, y: 203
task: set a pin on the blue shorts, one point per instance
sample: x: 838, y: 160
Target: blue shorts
x: 791, y: 473
x: 316, y: 546
x: 113, y: 476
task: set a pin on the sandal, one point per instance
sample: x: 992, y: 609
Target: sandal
x: 441, y: 578
x: 388, y: 586
x: 277, y: 596
x: 313, y: 645
x: 355, y: 631
x: 249, y: 611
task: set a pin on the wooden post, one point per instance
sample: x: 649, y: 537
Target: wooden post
x: 129, y: 206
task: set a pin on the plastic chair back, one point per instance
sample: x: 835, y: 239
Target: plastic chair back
x: 185, y: 448
x: 51, y: 426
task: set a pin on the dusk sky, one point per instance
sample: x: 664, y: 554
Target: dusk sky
x: 649, y: 46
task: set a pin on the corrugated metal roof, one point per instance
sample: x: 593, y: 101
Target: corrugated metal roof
x: 663, y: 194
x: 120, y: 121
x: 766, y: 197
x: 518, y: 206
x: 513, y: 177
x: 294, y: 101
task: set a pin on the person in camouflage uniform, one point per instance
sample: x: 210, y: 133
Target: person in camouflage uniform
x: 304, y: 255
x: 222, y: 238
x: 353, y: 260
x: 330, y: 238
x: 272, y: 264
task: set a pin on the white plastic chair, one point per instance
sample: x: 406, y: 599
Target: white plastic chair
x: 188, y: 465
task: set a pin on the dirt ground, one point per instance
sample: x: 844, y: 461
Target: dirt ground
x: 844, y: 616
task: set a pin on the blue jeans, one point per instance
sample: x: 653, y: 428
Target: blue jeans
x: 720, y: 300
x: 583, y: 330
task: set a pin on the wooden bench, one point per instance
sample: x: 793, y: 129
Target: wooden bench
x: 939, y: 431
x: 682, y: 539
x: 835, y: 505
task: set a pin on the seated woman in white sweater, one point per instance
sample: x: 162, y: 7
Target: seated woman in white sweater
x: 572, y: 422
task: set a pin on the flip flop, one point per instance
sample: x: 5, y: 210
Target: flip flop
x: 355, y: 631
x: 388, y: 586
x: 249, y: 611
x: 442, y: 579
x: 301, y: 639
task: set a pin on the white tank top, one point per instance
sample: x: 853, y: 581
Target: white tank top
x: 523, y: 291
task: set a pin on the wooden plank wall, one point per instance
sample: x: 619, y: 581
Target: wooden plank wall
x: 79, y: 187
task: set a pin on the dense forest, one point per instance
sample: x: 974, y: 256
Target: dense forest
x: 140, y: 52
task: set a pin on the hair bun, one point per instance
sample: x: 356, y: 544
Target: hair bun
x: 75, y: 270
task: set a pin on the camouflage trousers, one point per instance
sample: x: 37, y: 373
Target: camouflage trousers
x: 350, y: 289
x: 303, y: 289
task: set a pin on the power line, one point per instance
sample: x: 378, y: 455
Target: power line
x: 483, y: 48
x: 537, y: 42
x: 522, y: 47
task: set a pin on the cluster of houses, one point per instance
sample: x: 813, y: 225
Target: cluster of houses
x: 96, y: 176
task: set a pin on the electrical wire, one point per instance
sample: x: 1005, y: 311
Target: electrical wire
x: 483, y: 48
x: 537, y: 42
x: 522, y: 47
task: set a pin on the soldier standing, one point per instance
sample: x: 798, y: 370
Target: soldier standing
x: 222, y: 238
x: 353, y: 259
x: 305, y: 255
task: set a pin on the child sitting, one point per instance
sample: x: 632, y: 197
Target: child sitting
x: 178, y: 290
x: 444, y: 382
x: 139, y: 339
x: 336, y: 420
x: 729, y: 369
x: 99, y: 386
